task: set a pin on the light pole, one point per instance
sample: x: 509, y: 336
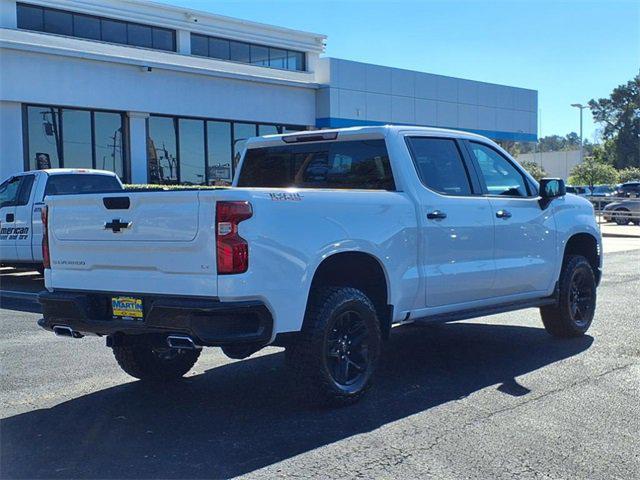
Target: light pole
x: 581, y: 107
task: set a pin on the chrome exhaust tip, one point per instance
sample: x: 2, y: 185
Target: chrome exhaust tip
x: 64, y: 331
x: 182, y: 342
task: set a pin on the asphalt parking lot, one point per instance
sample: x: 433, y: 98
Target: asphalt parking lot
x: 487, y: 398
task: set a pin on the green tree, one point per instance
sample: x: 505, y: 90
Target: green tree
x: 620, y: 117
x: 593, y: 172
x: 536, y: 171
x: 629, y: 174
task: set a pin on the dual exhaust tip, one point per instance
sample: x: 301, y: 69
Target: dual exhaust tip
x: 181, y: 342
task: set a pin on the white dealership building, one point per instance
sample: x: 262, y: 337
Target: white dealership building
x: 164, y: 94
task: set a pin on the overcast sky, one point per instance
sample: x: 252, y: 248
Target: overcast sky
x: 570, y: 51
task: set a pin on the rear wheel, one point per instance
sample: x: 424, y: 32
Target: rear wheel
x: 150, y: 362
x: 337, y: 353
x: 623, y: 216
x: 573, y: 314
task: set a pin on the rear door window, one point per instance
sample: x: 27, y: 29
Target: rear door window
x: 440, y: 165
x: 25, y: 190
x: 356, y: 164
x: 81, y: 183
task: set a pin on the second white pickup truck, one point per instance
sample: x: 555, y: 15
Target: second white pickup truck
x: 326, y: 240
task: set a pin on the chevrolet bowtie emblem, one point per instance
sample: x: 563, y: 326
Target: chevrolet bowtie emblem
x: 116, y: 225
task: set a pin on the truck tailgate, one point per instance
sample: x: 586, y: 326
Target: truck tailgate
x: 145, y: 242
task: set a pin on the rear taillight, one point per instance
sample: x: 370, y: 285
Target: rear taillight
x: 232, y: 249
x: 46, y: 259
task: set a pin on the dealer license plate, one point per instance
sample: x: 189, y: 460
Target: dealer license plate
x: 127, y: 307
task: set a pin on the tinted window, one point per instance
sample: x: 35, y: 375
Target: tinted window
x: 199, y: 45
x: 162, y: 150
x: 500, y: 176
x: 241, y: 133
x: 109, y: 148
x: 76, y: 139
x: 58, y: 22
x: 440, y: 165
x: 259, y: 55
x: 81, y: 183
x: 86, y: 27
x: 25, y: 189
x: 219, y: 152
x: 113, y: 31
x: 163, y: 39
x: 295, y: 61
x: 9, y: 191
x: 277, y: 58
x: 219, y: 48
x: 30, y: 18
x: 43, y: 131
x: 191, y: 134
x: 361, y: 164
x: 139, y: 35
x: 240, y: 52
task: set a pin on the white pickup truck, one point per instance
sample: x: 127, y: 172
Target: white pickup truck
x: 22, y: 198
x: 326, y: 240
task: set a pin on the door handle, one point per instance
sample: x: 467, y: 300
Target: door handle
x: 10, y: 218
x: 503, y: 214
x: 436, y: 215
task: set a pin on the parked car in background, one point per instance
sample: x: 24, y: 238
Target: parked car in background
x: 629, y: 190
x: 622, y: 212
x: 327, y: 239
x: 21, y: 200
x: 602, y: 191
x: 580, y: 190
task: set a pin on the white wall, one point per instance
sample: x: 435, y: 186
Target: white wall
x: 365, y: 92
x: 51, y: 79
x: 556, y: 164
x: 11, y: 153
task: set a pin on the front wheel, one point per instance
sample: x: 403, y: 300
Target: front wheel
x: 337, y: 353
x: 150, y: 362
x: 623, y: 216
x: 573, y: 314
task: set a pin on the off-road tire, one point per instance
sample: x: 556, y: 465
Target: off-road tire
x: 308, y: 357
x: 561, y: 319
x: 146, y: 362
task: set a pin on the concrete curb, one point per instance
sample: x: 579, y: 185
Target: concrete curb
x: 619, y: 235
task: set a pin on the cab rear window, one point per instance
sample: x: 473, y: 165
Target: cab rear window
x: 356, y: 164
x: 81, y: 183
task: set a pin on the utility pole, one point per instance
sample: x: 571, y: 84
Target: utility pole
x: 581, y: 107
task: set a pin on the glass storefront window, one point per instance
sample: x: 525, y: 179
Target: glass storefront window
x: 109, y: 145
x: 43, y: 130
x: 267, y: 130
x: 219, y: 153
x: 162, y: 150
x: 191, y: 158
x: 241, y: 133
x: 76, y: 138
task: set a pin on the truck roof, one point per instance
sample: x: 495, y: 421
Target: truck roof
x: 66, y: 171
x: 381, y: 130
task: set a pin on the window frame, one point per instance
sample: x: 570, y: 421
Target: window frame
x: 73, y: 14
x: 126, y: 165
x: 232, y: 139
x: 229, y: 41
x: 531, y: 191
x: 474, y: 184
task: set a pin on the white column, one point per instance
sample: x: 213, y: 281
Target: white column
x: 11, y: 154
x: 8, y: 15
x: 183, y: 40
x: 138, y: 146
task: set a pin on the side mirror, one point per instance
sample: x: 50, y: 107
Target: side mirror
x: 551, y: 188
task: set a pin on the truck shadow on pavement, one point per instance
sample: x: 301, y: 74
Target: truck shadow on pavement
x: 243, y: 416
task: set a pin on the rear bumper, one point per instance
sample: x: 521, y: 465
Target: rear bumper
x: 208, y: 322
